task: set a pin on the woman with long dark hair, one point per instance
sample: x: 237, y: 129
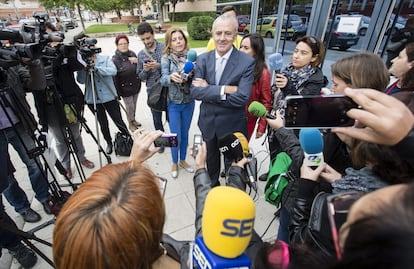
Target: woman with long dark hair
x: 253, y: 45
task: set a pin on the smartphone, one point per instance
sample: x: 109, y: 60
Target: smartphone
x: 166, y: 140
x: 198, y: 139
x: 147, y: 61
x: 322, y: 111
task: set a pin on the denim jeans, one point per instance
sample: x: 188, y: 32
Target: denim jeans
x: 284, y: 221
x: 157, y: 119
x: 180, y: 116
x: 7, y: 239
x: 39, y: 183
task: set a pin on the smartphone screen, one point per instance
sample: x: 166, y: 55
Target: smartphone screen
x: 166, y: 140
x: 324, y: 111
x: 198, y: 139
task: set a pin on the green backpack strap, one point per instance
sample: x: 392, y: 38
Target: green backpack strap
x: 277, y: 178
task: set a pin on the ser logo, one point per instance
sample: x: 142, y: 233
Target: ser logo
x: 200, y: 258
x: 236, y: 227
x: 316, y: 159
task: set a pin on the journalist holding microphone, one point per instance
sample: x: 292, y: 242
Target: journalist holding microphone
x: 95, y: 227
x: 176, y: 73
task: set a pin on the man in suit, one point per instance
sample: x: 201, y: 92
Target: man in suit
x: 224, y: 97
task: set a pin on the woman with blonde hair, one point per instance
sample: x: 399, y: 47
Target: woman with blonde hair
x: 180, y: 104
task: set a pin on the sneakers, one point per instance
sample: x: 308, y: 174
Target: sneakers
x: 186, y: 166
x: 24, y: 255
x: 47, y: 206
x: 30, y: 215
x: 174, y: 171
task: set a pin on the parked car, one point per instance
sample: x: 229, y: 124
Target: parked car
x: 243, y: 21
x: 60, y: 26
x: 68, y: 23
x: 268, y: 25
x: 339, y: 39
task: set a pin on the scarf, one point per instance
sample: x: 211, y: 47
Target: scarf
x: 298, y: 76
x: 363, y: 180
x: 128, y: 53
x: 179, y: 58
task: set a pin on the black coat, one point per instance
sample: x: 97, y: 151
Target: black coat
x: 126, y: 80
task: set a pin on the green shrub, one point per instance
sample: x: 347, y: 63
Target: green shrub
x: 199, y: 27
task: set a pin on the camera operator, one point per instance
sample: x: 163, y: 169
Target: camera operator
x: 62, y: 103
x: 17, y: 125
x: 25, y: 256
x: 105, y: 96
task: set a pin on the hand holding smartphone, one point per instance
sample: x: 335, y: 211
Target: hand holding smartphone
x: 167, y: 140
x: 198, y: 139
x: 322, y: 111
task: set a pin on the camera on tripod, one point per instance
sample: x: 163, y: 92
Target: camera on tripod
x: 87, y: 47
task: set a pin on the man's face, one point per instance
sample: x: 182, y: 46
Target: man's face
x: 148, y: 40
x: 224, y: 34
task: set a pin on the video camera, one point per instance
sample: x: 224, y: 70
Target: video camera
x: 17, y: 44
x: 87, y: 47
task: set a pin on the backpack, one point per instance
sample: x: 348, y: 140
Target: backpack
x: 123, y: 144
x: 277, y: 179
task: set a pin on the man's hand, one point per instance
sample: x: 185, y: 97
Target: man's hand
x: 150, y: 65
x: 200, y: 158
x: 199, y: 82
x: 142, y: 142
x: 385, y: 119
x: 230, y: 89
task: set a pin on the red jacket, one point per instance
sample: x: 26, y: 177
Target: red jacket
x: 261, y: 93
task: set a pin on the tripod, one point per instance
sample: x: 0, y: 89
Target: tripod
x: 114, y: 112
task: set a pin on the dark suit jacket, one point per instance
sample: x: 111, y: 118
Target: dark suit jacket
x: 218, y: 117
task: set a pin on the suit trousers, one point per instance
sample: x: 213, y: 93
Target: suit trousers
x: 214, y: 161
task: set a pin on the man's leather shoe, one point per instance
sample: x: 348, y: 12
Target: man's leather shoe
x: 30, y: 215
x: 109, y: 149
x: 47, y: 206
x: 264, y: 177
x: 87, y: 164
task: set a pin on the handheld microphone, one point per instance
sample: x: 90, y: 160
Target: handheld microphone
x: 276, y: 62
x: 235, y: 146
x: 191, y: 55
x: 188, y: 67
x: 259, y: 110
x: 311, y: 142
x: 227, y: 227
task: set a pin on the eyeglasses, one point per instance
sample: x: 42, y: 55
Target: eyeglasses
x: 340, y: 204
x: 123, y: 44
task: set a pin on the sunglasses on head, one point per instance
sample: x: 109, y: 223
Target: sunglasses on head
x: 340, y: 204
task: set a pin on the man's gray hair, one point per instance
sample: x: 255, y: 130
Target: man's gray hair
x: 227, y: 17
